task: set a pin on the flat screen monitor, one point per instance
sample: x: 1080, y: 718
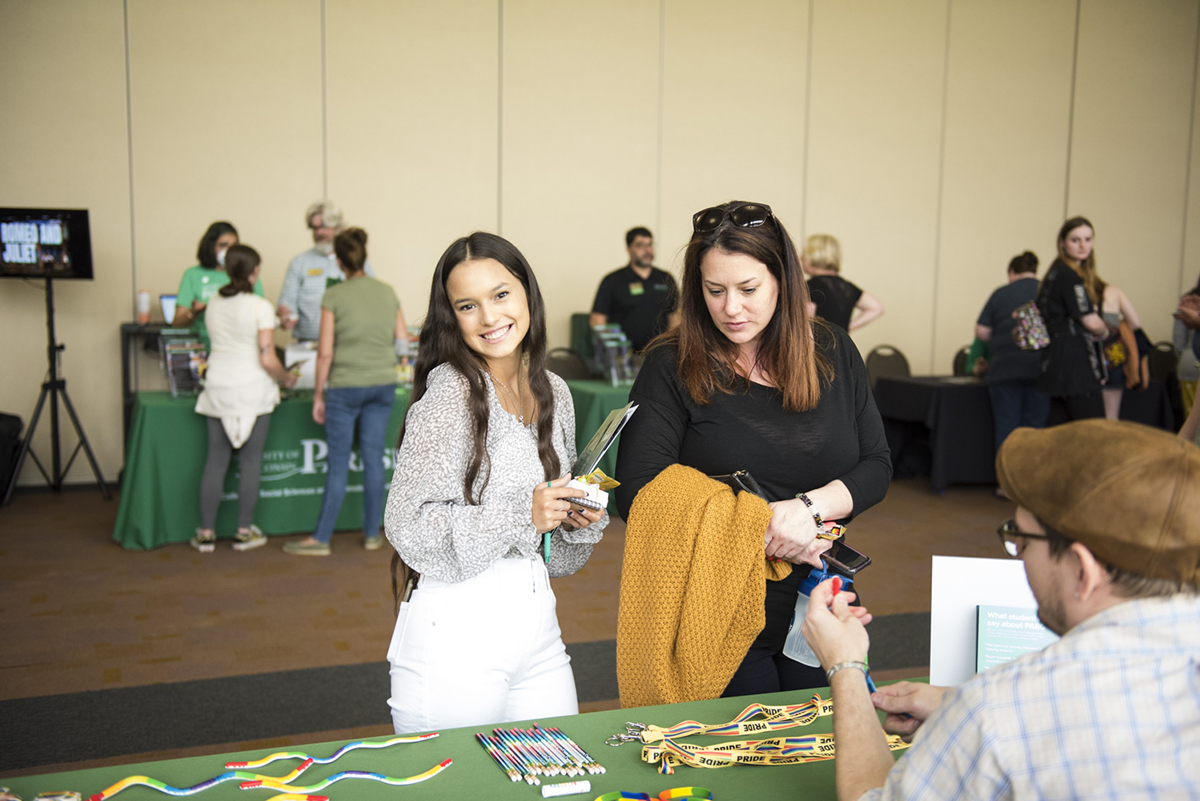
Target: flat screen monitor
x: 45, y: 243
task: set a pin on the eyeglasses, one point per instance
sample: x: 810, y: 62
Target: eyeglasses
x: 746, y: 215
x: 1014, y: 539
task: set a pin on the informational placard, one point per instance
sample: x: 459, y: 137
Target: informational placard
x: 960, y: 585
x: 1003, y: 633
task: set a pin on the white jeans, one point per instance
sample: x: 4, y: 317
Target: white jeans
x: 479, y: 652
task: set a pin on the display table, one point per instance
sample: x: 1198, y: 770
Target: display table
x: 948, y: 420
x: 168, y: 443
x: 474, y: 775
x: 164, y: 458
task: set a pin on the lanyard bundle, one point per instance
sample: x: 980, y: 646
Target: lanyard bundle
x: 662, y: 746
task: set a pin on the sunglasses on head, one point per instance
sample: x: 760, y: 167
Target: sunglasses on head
x: 744, y: 215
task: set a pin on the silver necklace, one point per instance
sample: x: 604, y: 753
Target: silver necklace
x: 515, y: 401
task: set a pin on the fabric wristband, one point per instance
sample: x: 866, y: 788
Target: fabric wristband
x: 843, y: 665
x: 812, y: 510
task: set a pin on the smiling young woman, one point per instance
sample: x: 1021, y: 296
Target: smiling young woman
x: 479, y: 510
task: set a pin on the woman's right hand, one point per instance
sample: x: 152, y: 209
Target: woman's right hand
x: 290, y: 380
x: 792, y: 534
x: 550, y: 504
x: 319, y: 409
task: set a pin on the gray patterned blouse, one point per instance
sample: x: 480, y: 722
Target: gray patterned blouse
x: 428, y: 519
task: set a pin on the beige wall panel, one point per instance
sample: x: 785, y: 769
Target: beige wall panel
x: 733, y: 112
x: 413, y: 139
x: 873, y: 156
x: 1190, y: 263
x: 1133, y: 100
x: 65, y: 146
x: 1005, y: 164
x: 226, y: 102
x: 579, y: 141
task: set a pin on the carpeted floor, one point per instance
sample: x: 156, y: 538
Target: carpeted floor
x: 114, y: 656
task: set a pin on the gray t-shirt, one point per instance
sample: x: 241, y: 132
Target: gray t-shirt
x: 305, y: 282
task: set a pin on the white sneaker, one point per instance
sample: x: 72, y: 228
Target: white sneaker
x: 249, y: 538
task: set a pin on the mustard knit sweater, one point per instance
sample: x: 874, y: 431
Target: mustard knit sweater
x: 692, y: 588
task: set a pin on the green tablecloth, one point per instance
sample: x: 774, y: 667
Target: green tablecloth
x: 168, y: 443
x: 474, y: 775
x: 160, y: 490
x: 593, y: 401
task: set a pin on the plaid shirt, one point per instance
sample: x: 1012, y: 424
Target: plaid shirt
x: 1112, y: 710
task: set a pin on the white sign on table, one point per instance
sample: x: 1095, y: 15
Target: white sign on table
x: 960, y: 584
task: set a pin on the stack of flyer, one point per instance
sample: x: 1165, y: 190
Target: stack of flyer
x: 184, y: 359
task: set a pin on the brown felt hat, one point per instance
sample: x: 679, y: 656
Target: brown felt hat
x: 1130, y: 493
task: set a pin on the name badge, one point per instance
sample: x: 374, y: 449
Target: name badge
x: 315, y: 271
x: 636, y: 288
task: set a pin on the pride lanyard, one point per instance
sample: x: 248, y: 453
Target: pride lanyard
x: 662, y: 746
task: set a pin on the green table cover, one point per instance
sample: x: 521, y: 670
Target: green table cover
x: 474, y: 775
x: 168, y: 442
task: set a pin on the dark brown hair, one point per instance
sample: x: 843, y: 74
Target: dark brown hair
x: 351, y: 249
x: 240, y: 263
x: 787, y: 351
x: 441, y: 343
x: 206, y: 251
x: 1027, y: 262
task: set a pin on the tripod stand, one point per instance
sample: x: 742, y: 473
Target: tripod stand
x: 54, y: 387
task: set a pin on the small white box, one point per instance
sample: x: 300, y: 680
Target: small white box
x: 596, y: 498
x: 304, y: 356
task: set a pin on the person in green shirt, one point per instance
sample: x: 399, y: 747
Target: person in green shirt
x: 361, y: 323
x: 200, y: 283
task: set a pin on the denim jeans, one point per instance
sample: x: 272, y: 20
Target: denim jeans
x: 1017, y: 403
x: 372, y: 408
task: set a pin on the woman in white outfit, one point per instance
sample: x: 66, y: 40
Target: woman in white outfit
x: 239, y: 395
x: 479, y: 511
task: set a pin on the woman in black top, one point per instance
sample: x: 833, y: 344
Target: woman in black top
x: 835, y: 298
x: 750, y: 381
x: 1071, y: 370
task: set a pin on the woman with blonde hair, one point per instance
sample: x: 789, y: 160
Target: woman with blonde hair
x: 836, y: 298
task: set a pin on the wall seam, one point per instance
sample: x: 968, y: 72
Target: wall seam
x: 807, y: 132
x: 941, y: 191
x: 500, y: 117
x: 1071, y: 112
x: 662, y: 71
x: 324, y: 109
x: 133, y: 289
x: 1187, y: 183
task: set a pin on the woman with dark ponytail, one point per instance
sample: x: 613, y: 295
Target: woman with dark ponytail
x: 479, y: 511
x: 239, y: 395
x: 1012, y: 372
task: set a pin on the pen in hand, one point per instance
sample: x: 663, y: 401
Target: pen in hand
x: 836, y: 586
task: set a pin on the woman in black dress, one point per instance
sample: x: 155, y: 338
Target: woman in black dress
x: 1072, y: 370
x: 749, y: 380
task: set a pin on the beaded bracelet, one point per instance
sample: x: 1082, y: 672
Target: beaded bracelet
x: 812, y: 510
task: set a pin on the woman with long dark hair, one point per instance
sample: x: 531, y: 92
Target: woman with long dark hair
x: 239, y: 395
x: 751, y: 381
x: 1072, y: 369
x: 479, y: 511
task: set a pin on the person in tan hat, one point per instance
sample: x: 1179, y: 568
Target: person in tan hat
x: 1108, y: 526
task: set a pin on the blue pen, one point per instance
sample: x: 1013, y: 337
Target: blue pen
x: 837, y: 587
